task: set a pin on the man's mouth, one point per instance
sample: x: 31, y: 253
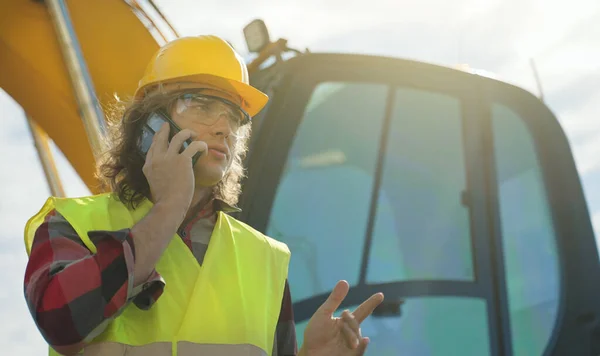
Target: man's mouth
x: 220, y: 151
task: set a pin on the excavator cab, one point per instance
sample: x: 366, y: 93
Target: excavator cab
x: 453, y: 193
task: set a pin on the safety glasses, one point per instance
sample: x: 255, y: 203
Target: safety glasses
x: 208, y: 109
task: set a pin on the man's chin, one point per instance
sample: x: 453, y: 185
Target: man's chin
x: 208, y: 179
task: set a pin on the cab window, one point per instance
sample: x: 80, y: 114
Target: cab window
x: 421, y: 229
x: 321, y: 207
x: 528, y: 236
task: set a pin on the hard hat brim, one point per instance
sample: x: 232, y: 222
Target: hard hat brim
x: 253, y: 100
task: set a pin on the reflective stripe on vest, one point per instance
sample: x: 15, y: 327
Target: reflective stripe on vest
x: 231, y: 302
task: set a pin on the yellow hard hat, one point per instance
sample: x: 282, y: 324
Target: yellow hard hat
x: 207, y: 60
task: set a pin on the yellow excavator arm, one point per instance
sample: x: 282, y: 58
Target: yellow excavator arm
x: 115, y: 44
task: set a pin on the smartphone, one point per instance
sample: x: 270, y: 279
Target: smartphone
x: 151, y: 127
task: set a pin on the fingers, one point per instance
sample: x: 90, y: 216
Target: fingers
x: 159, y: 144
x: 351, y: 329
x: 367, y: 307
x: 178, y: 139
x: 195, y: 147
x: 363, y: 346
x: 335, y: 298
x: 349, y: 319
x: 352, y: 340
x: 352, y: 334
x: 150, y: 152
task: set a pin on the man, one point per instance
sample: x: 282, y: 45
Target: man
x: 158, y: 267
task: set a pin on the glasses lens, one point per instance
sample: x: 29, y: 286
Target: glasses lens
x: 208, y: 110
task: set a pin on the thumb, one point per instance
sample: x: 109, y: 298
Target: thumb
x: 335, y: 298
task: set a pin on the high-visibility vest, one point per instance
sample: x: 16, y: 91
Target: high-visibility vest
x: 227, y: 306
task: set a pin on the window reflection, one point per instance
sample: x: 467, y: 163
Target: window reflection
x: 322, y: 203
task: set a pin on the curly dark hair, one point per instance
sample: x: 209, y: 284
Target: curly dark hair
x: 119, y: 168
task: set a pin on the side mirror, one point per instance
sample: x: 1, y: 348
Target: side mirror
x: 257, y: 36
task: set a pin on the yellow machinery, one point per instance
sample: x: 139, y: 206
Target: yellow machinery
x: 41, y: 67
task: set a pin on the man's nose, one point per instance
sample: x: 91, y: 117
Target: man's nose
x: 222, y: 127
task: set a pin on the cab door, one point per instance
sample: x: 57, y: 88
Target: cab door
x: 454, y: 194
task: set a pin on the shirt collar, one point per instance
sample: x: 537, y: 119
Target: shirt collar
x: 213, y: 206
x: 221, y: 205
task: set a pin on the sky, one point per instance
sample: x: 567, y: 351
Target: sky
x: 499, y: 36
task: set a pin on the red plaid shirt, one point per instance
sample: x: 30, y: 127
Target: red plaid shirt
x: 73, y: 294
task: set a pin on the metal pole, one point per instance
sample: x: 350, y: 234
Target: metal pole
x: 163, y: 17
x: 40, y: 139
x: 537, y: 79
x: 92, y: 116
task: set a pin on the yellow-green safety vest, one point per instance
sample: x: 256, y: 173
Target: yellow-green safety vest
x: 228, y: 306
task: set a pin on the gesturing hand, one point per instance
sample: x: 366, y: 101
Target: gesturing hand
x: 331, y: 336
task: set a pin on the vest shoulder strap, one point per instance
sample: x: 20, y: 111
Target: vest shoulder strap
x: 98, y: 212
x: 277, y: 245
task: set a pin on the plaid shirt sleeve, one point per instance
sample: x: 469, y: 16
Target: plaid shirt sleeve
x: 285, y: 338
x: 73, y: 294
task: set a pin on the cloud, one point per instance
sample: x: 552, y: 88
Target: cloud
x: 18, y: 333
x: 23, y: 191
x: 307, y: 22
x: 583, y: 127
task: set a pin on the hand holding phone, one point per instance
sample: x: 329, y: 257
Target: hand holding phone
x: 168, y: 170
x: 151, y: 127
